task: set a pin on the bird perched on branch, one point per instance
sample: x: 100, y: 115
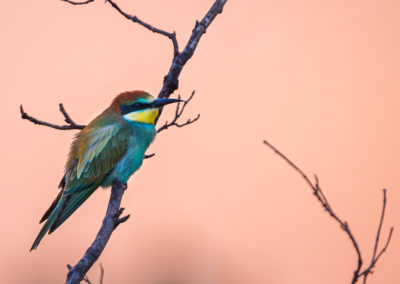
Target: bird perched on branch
x: 112, y: 146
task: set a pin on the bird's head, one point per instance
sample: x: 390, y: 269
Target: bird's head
x: 139, y: 106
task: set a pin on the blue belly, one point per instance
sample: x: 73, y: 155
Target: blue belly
x: 142, y: 136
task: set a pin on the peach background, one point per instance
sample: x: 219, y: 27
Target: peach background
x: 318, y: 79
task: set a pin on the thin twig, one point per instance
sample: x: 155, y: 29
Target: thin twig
x: 178, y: 113
x: 70, y: 126
x: 171, y: 79
x: 101, y: 273
x: 66, y: 115
x: 135, y: 19
x: 318, y: 193
x: 376, y: 256
x: 171, y: 36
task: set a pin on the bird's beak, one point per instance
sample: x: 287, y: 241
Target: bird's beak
x: 163, y: 102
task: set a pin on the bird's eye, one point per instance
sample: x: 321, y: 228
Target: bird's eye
x: 137, y: 104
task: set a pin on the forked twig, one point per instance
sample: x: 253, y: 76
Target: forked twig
x: 111, y: 221
x: 171, y: 36
x: 70, y: 126
x: 318, y: 193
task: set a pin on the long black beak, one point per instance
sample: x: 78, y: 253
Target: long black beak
x: 163, y: 102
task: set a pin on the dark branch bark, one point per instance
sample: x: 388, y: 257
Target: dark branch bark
x: 171, y: 36
x: 110, y: 223
x: 178, y: 113
x: 318, y: 193
x: 375, y: 256
x: 70, y: 126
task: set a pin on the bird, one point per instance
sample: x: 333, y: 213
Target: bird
x: 111, y: 147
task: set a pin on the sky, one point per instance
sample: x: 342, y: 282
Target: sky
x: 317, y: 79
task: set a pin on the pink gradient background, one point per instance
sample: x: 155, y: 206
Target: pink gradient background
x: 318, y: 79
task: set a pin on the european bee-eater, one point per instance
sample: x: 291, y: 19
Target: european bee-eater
x: 111, y: 146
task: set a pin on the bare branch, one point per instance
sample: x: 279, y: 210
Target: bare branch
x: 376, y: 256
x: 111, y: 220
x: 171, y: 36
x: 171, y: 79
x: 78, y: 3
x: 65, y: 114
x: 386, y: 245
x: 178, y: 113
x: 180, y: 58
x: 71, y: 124
x: 318, y: 193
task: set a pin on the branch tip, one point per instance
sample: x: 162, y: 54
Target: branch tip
x: 178, y: 113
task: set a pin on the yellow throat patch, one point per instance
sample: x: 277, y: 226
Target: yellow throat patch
x: 145, y: 116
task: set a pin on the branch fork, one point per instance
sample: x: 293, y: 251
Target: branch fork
x: 319, y: 194
x: 69, y: 126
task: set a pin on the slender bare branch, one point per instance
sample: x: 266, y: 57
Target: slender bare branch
x: 318, y: 193
x: 70, y: 126
x: 111, y: 221
x: 180, y: 58
x: 376, y: 255
x: 385, y: 246
x: 171, y: 36
x: 171, y: 79
x: 101, y: 273
x: 66, y: 115
x: 178, y: 113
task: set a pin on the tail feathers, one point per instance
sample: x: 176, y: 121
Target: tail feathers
x: 50, y: 221
x: 51, y: 208
x: 60, y: 210
x: 73, y: 202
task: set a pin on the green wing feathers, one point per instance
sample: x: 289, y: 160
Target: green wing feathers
x: 50, y: 220
x: 93, y: 154
x: 72, y: 202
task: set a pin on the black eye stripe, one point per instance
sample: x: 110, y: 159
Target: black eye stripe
x: 134, y: 107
